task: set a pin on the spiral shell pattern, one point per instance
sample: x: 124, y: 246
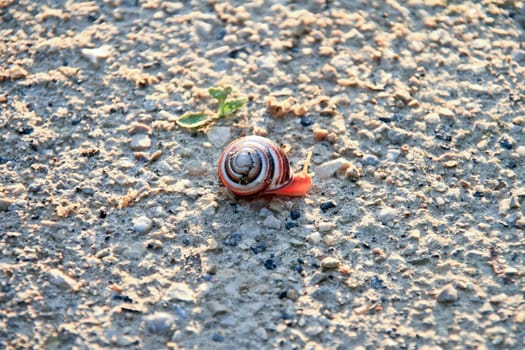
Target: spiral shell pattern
x: 254, y: 165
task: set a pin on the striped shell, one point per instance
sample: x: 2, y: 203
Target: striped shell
x: 254, y: 165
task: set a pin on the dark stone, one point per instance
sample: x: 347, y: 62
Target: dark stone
x: 327, y: 205
x: 306, y: 121
x: 233, y: 239
x: 295, y: 214
x: 377, y: 283
x: 216, y: 337
x: 505, y: 143
x: 290, y: 224
x: 270, y: 264
x: 220, y: 34
x: 258, y: 248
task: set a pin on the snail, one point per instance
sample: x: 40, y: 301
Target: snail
x: 254, y: 166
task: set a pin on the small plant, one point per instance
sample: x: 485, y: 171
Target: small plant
x: 193, y: 120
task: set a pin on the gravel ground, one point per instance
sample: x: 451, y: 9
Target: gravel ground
x: 115, y: 231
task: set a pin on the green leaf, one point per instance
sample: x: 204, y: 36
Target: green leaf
x: 231, y: 106
x: 220, y: 94
x: 193, y: 120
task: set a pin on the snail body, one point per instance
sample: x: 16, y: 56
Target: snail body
x: 254, y: 166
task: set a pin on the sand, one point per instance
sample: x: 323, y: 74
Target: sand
x: 115, y: 231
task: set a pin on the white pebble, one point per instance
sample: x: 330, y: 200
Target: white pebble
x: 202, y: 29
x: 142, y: 224
x: 521, y: 151
x: 219, y: 135
x: 96, y: 55
x: 326, y: 226
x: 180, y: 291
x: 272, y: 222
x: 196, y: 167
x: 328, y: 169
x: 387, y: 215
x: 159, y: 322
x: 329, y: 263
x: 314, y: 237
x: 59, y: 278
x: 140, y: 142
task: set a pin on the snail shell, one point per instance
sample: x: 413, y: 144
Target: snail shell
x: 255, y: 165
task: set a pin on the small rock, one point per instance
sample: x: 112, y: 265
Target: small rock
x: 292, y: 294
x: 142, y: 224
x: 370, y: 159
x: 59, y: 278
x: 387, y: 215
x: 327, y: 205
x: 159, y: 322
x: 219, y: 135
x: 295, y: 214
x: 5, y: 203
x: 315, y: 237
x: 216, y: 337
x: 218, y: 309
x: 329, y: 263
x: 326, y: 226
x: 270, y: 264
x: 272, y: 222
x: 150, y: 105
x: 202, y: 29
x: 135, y: 251
x: 233, y: 239
x: 448, y: 294
x: 329, y: 168
x: 212, y: 245
x: 353, y: 173
x: 196, y: 167
x: 306, y: 121
x: 97, y: 55
x: 140, y: 142
x: 258, y: 248
x: 180, y: 291
x: 521, y: 151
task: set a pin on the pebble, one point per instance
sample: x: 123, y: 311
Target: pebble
x: 295, y: 214
x: 448, y: 294
x: 233, y: 239
x: 270, y: 264
x: 521, y: 151
x: 325, y: 206
x: 219, y: 135
x: 326, y: 226
x: 329, y: 263
x: 216, y: 337
x: 202, y: 29
x: 150, y: 105
x: 329, y: 168
x: 135, y: 251
x: 272, y: 222
x: 315, y: 237
x: 250, y: 230
x: 142, y: 224
x: 5, y: 203
x: 159, y: 322
x: 353, y: 173
x: 140, y: 142
x: 258, y: 248
x: 59, y: 278
x: 387, y: 215
x: 370, y: 159
x: 96, y: 55
x: 180, y: 291
x: 306, y: 121
x: 196, y: 167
